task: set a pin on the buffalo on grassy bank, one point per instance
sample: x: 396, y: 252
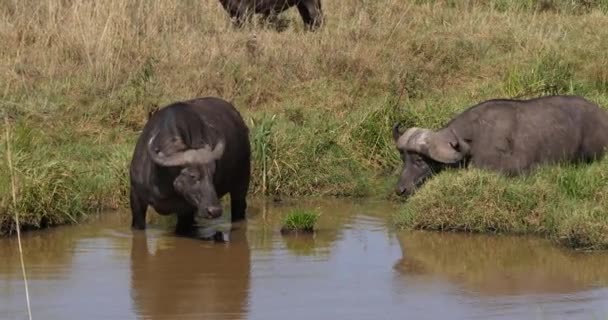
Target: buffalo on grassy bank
x: 508, y: 136
x: 243, y: 10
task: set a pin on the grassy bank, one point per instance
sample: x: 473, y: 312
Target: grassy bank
x: 565, y: 203
x: 78, y: 79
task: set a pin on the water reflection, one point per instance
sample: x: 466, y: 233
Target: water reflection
x: 50, y: 254
x: 354, y: 266
x: 45, y: 259
x: 302, y: 245
x: 336, y: 217
x: 500, y: 265
x: 182, y: 278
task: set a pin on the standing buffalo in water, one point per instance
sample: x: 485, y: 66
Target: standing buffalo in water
x: 241, y: 10
x: 511, y: 137
x: 188, y: 156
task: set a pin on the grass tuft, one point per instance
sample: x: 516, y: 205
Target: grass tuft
x: 299, y: 220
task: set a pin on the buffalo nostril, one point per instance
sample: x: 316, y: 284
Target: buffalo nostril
x: 177, y: 184
x: 214, y: 212
x: 400, y: 191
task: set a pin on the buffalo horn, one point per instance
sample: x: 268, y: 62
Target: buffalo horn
x: 439, y: 146
x: 396, y: 131
x: 188, y: 157
x: 414, y: 139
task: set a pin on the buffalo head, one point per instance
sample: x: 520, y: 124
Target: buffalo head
x: 195, y: 180
x: 425, y: 152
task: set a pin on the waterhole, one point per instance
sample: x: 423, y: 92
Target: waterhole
x: 355, y: 266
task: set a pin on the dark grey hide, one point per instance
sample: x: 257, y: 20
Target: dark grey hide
x: 511, y: 137
x: 187, y: 157
x: 242, y: 10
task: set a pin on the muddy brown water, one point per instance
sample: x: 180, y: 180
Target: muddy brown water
x: 354, y: 267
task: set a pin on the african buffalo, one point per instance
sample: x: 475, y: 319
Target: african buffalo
x: 511, y: 137
x: 242, y: 10
x: 189, y: 155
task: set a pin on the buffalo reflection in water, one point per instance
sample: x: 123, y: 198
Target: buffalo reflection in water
x: 185, y: 278
x: 500, y: 265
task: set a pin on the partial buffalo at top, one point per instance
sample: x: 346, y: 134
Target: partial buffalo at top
x: 189, y: 155
x: 242, y: 10
x: 511, y: 137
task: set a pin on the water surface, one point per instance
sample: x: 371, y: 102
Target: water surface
x: 354, y: 267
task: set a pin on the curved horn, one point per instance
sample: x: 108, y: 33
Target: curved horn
x: 188, y: 157
x: 415, y: 139
x: 447, y: 147
x: 397, y: 130
x: 443, y: 146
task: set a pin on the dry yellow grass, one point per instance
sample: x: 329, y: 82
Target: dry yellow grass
x: 86, y: 51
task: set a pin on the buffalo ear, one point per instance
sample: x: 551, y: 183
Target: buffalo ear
x: 448, y: 147
x: 397, y: 132
x: 461, y: 145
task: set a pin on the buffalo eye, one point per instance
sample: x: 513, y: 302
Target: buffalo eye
x: 401, y: 153
x: 419, y: 161
x: 193, y: 176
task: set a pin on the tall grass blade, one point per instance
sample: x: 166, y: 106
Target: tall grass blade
x: 14, y: 195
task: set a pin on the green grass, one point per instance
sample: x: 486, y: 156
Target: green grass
x: 58, y: 182
x: 79, y: 78
x: 565, y: 203
x: 300, y: 220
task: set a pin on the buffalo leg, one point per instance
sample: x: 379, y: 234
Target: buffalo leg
x: 275, y: 22
x: 238, y: 202
x: 185, y: 223
x: 236, y: 16
x: 271, y: 18
x: 236, y: 12
x: 138, y: 211
x: 239, y: 20
x: 311, y: 13
x: 241, y: 16
x: 238, y: 206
